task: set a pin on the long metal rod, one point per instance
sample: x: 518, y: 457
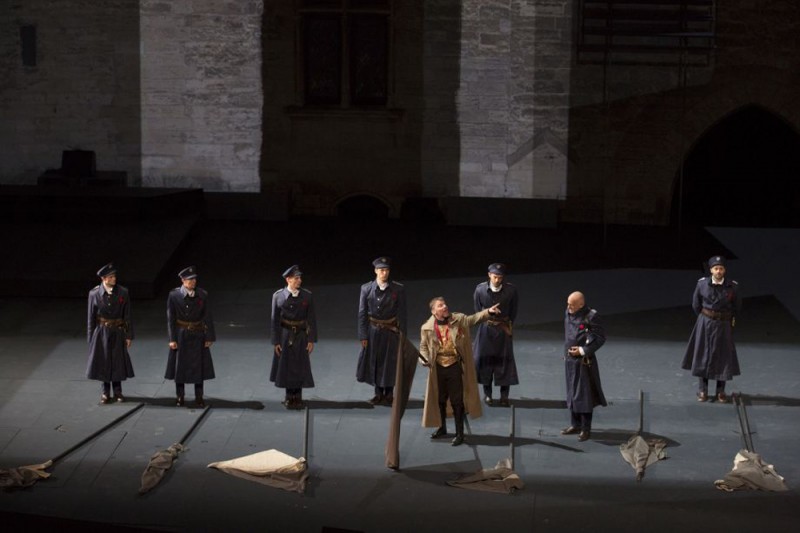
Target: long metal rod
x: 749, y: 433
x: 511, y: 436
x: 196, y: 423
x: 641, y: 412
x: 305, y: 434
x: 96, y: 433
x: 742, y: 430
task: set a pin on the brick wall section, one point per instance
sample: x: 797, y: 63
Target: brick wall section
x: 83, y: 92
x: 201, y: 94
x: 513, y: 98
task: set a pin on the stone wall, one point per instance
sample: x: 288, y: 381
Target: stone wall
x: 321, y: 156
x: 83, y: 92
x: 201, y: 94
x: 513, y: 98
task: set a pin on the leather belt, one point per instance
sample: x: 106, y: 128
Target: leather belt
x: 390, y: 324
x: 192, y: 326
x: 112, y: 322
x: 505, y: 325
x: 717, y: 315
x: 293, y: 325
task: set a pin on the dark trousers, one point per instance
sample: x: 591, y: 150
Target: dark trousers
x: 451, y: 386
x: 704, y: 385
x: 384, y: 391
x: 582, y: 421
x: 180, y: 389
x: 117, y: 388
x: 294, y: 393
x: 504, y: 390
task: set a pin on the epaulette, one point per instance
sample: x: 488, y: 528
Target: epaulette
x: 397, y: 283
x: 591, y: 314
x: 305, y: 290
x: 279, y: 290
x: 734, y: 282
x: 702, y: 279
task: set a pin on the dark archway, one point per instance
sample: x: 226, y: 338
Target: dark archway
x: 744, y: 171
x: 362, y: 207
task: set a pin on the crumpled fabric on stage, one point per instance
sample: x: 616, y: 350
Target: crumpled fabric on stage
x: 501, y: 479
x: 751, y: 472
x: 23, y: 476
x: 160, y: 462
x: 271, y: 467
x: 641, y: 453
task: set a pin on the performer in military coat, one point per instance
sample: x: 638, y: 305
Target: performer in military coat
x: 446, y: 348
x: 583, y: 336
x: 294, y: 332
x: 110, y: 334
x: 381, y: 319
x: 493, y: 346
x: 711, y: 353
x: 191, y: 333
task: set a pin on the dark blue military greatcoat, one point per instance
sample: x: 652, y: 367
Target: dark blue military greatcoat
x: 191, y: 362
x: 377, y: 363
x: 294, y: 324
x: 584, y: 390
x: 711, y: 353
x: 493, y: 348
x: 108, y: 356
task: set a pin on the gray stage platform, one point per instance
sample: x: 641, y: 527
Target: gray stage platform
x: 46, y: 404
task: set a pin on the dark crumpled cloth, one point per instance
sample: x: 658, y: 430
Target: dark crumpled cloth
x: 160, y: 462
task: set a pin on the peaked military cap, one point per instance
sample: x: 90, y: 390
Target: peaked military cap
x: 716, y: 260
x: 497, y: 268
x: 107, y: 270
x: 188, y: 273
x: 382, y: 262
x: 292, y: 271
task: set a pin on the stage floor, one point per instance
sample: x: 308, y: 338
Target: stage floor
x: 46, y: 405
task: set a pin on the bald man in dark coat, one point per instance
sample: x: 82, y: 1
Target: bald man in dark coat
x: 583, y: 336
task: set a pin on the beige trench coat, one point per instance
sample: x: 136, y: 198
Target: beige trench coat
x: 459, y: 330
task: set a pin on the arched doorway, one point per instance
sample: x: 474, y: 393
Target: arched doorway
x: 743, y: 171
x: 362, y: 207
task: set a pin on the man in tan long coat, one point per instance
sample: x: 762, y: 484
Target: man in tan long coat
x: 446, y: 346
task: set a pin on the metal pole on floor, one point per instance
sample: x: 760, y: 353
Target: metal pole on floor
x: 305, y: 434
x: 739, y: 414
x: 511, y: 437
x: 641, y: 412
x: 96, y: 433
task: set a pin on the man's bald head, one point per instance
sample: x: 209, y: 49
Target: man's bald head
x: 575, y: 302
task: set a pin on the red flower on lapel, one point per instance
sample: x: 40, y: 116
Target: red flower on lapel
x: 121, y: 300
x: 200, y: 302
x: 581, y: 326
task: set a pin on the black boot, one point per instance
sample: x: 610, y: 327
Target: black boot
x: 458, y: 414
x: 442, y: 431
